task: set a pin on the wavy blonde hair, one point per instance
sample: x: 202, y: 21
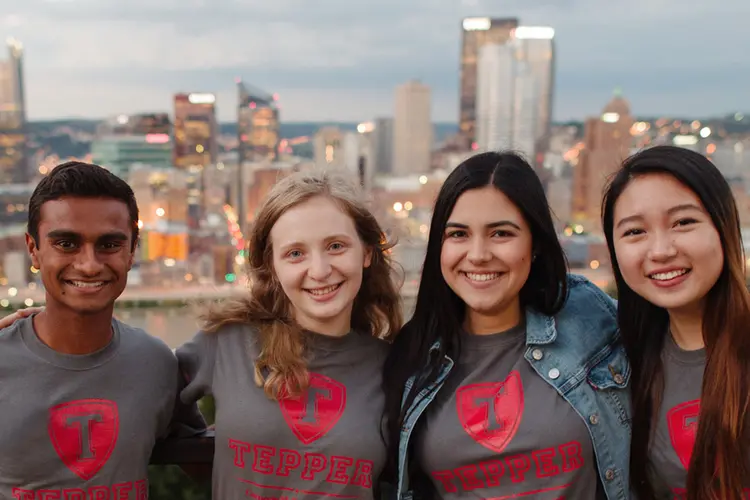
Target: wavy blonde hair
x: 281, y: 367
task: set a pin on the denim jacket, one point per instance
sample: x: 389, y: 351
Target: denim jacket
x: 579, y: 354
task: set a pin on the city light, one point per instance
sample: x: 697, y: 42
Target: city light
x: 202, y: 98
x: 140, y: 224
x: 230, y: 277
x: 423, y: 179
x: 170, y: 262
x: 408, y: 206
x: 578, y: 229
x: 199, y: 148
x: 157, y: 138
x: 397, y: 207
x: 4, y: 302
x: 160, y: 212
x: 705, y: 132
x: 684, y: 140
x: 43, y: 170
x: 611, y: 117
x: 28, y: 302
x: 711, y: 149
x: 477, y: 23
x: 365, y: 127
x: 12, y: 291
x: 594, y: 264
x: 535, y: 33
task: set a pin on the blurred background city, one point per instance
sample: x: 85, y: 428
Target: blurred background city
x: 203, y: 106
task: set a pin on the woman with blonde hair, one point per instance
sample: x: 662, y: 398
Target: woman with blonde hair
x: 295, y: 365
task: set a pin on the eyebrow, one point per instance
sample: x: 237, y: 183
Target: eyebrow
x: 491, y: 225
x: 70, y: 234
x: 671, y: 211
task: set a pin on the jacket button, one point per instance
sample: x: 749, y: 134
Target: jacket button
x: 610, y: 474
x: 594, y: 419
x: 537, y: 354
x: 554, y: 373
x: 619, y: 379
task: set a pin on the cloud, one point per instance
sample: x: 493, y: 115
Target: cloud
x: 342, y: 59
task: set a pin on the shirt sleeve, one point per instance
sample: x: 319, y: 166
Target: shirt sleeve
x: 196, y: 360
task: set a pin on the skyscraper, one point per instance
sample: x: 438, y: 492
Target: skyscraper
x: 607, y: 142
x: 477, y: 32
x: 536, y: 45
x: 195, y: 145
x: 257, y: 124
x: 14, y: 162
x: 507, y: 100
x: 412, y: 129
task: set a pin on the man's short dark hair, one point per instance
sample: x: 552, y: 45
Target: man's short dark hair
x: 77, y: 179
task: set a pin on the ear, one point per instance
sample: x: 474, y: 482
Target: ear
x: 368, y: 257
x: 32, y: 248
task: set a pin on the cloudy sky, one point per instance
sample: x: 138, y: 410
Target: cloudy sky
x: 341, y: 59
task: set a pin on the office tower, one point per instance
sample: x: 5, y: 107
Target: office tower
x: 477, y: 32
x: 607, y: 142
x: 257, y: 124
x: 125, y: 141
x: 536, y: 46
x: 195, y: 145
x: 14, y: 155
x: 412, y: 129
x: 506, y: 100
x: 382, y: 146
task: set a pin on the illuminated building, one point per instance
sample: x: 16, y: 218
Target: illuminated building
x: 412, y: 129
x: 195, y: 130
x: 14, y: 167
x: 195, y: 145
x: 257, y: 124
x: 123, y: 141
x: 477, y: 32
x: 607, y: 142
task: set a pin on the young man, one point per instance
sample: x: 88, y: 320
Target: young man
x: 83, y: 397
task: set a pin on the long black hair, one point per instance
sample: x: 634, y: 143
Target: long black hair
x: 718, y: 467
x: 439, y: 312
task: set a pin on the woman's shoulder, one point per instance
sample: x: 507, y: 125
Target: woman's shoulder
x: 585, y: 297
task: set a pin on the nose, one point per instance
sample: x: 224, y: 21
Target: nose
x: 662, y: 247
x: 479, y: 252
x: 320, y: 267
x: 87, y: 262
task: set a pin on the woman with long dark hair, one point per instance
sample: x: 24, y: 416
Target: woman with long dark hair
x: 509, y: 380
x: 674, y: 238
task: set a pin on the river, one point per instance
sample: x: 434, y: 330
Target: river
x: 174, y: 325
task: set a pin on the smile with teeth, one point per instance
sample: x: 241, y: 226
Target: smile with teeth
x: 323, y: 291
x: 86, y: 284
x: 481, y: 276
x: 668, y: 276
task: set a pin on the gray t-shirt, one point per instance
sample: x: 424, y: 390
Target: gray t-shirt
x: 81, y: 427
x: 326, y: 444
x: 674, y: 436
x: 497, y: 430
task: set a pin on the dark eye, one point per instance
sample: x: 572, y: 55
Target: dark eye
x: 502, y: 233
x: 632, y: 232
x: 65, y: 244
x: 685, y: 222
x: 458, y: 233
x: 336, y: 246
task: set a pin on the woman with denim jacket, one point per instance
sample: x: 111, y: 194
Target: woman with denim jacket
x: 676, y: 246
x: 509, y: 381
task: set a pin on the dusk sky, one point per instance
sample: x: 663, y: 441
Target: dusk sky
x: 339, y: 60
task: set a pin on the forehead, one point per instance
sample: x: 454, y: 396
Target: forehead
x: 86, y: 216
x: 484, y: 205
x: 653, y: 194
x: 312, y: 221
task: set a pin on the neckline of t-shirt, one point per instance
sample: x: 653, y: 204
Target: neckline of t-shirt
x: 322, y: 342
x: 682, y: 356
x: 508, y: 337
x: 77, y: 362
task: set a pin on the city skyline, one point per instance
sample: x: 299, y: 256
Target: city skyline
x: 91, y: 59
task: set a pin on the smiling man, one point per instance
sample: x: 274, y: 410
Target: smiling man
x: 83, y: 396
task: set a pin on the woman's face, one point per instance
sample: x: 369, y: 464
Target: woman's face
x: 666, y: 244
x: 486, y: 254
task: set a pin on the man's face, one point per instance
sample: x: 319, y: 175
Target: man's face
x: 84, y: 252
